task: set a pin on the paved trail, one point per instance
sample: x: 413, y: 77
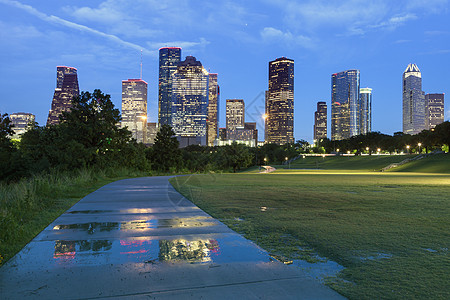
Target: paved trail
x: 139, y: 238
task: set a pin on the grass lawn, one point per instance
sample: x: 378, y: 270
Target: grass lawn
x: 361, y: 163
x: 391, y: 230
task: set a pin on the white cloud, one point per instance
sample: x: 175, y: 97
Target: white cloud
x: 270, y: 34
x: 56, y: 20
x: 18, y: 32
x: 395, y: 21
x: 354, y: 17
x: 183, y: 44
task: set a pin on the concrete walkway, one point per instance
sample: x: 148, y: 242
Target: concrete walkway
x: 139, y: 238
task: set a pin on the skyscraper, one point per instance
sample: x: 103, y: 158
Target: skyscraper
x: 413, y: 101
x: 134, y: 108
x: 235, y: 110
x: 434, y: 110
x: 22, y: 122
x: 213, y: 109
x: 66, y: 89
x: 169, y: 58
x: 280, y: 102
x: 320, y: 121
x: 190, y: 93
x: 365, y: 109
x: 345, y: 110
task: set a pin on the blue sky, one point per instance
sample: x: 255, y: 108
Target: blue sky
x: 235, y: 39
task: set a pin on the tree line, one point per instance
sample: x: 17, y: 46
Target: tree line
x: 88, y: 136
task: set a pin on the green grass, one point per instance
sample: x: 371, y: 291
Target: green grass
x: 389, y: 230
x: 30, y: 205
x: 439, y: 163
x: 362, y: 163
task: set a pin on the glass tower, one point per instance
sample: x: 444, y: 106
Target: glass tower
x: 134, y: 108
x: 320, y: 121
x: 22, y: 122
x: 213, y: 109
x: 234, y: 117
x: 169, y: 58
x: 280, y: 102
x: 66, y: 89
x: 365, y: 119
x: 413, y: 101
x: 434, y: 110
x: 190, y: 91
x: 345, y: 110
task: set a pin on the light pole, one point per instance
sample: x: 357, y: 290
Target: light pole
x: 367, y: 149
x: 286, y: 158
x: 378, y: 150
x: 407, y: 149
x: 419, y: 144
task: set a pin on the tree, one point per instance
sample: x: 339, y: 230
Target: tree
x: 442, y: 132
x: 7, y: 149
x: 235, y: 156
x: 165, y: 153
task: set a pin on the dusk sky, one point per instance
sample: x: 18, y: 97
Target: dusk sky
x: 236, y: 39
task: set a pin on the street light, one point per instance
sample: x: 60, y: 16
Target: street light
x: 419, y: 144
x: 289, y: 162
x: 378, y: 150
x: 407, y: 147
x: 337, y: 150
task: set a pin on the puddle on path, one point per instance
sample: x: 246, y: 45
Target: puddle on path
x: 92, y: 227
x: 319, y: 270
x: 204, y: 248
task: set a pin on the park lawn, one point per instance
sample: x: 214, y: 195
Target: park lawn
x: 361, y: 163
x: 389, y: 230
x: 439, y: 163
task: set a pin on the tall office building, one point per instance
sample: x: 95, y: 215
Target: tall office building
x: 190, y: 94
x: 169, y: 58
x: 213, y: 109
x: 345, y: 108
x: 413, y: 101
x: 280, y: 102
x: 235, y: 111
x: 320, y: 122
x: 152, y: 130
x: 365, y: 109
x: 434, y: 104
x: 66, y: 89
x: 21, y: 122
x: 134, y: 108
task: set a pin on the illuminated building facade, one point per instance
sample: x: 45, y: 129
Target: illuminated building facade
x: 365, y: 108
x: 66, y: 89
x: 434, y: 110
x: 345, y: 108
x: 280, y: 102
x: 235, y: 110
x: 252, y: 126
x: 152, y: 130
x: 320, y: 121
x: 213, y: 109
x: 413, y: 101
x: 134, y: 108
x: 169, y: 58
x: 190, y: 93
x: 222, y: 133
x: 21, y: 122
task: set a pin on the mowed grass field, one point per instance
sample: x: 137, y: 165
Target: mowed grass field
x: 390, y: 230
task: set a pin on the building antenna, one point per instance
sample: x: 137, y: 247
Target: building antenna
x: 141, y: 64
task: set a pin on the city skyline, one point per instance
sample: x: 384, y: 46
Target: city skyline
x: 234, y: 40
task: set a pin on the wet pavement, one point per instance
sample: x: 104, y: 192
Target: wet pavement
x: 139, y: 238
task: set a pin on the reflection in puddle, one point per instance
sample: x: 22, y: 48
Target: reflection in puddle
x: 165, y: 250
x: 139, y: 224
x: 190, y: 249
x: 183, y: 250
